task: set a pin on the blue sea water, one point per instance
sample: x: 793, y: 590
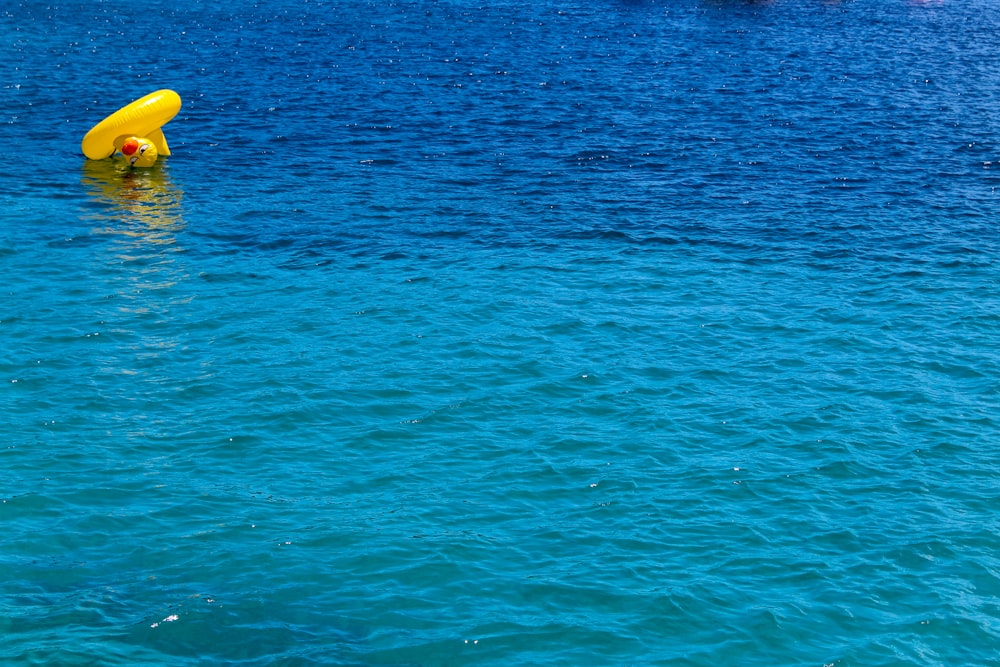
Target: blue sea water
x: 623, y: 332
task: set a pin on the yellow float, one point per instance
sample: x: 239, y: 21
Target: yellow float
x: 136, y: 129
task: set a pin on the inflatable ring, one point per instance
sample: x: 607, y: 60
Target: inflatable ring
x: 143, y: 118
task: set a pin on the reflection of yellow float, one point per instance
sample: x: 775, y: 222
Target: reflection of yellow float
x: 133, y: 202
x: 135, y: 129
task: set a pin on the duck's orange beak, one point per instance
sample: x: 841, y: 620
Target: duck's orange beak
x: 130, y: 146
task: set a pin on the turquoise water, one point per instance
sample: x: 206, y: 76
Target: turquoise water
x: 623, y: 333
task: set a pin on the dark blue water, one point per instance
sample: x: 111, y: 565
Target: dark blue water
x: 616, y: 333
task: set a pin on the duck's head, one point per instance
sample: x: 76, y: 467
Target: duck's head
x: 139, y: 151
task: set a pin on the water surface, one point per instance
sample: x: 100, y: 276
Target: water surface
x: 524, y: 334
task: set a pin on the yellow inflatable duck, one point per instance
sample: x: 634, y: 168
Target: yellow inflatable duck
x: 139, y: 151
x: 143, y: 119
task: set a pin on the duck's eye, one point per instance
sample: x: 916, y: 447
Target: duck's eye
x: 142, y: 149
